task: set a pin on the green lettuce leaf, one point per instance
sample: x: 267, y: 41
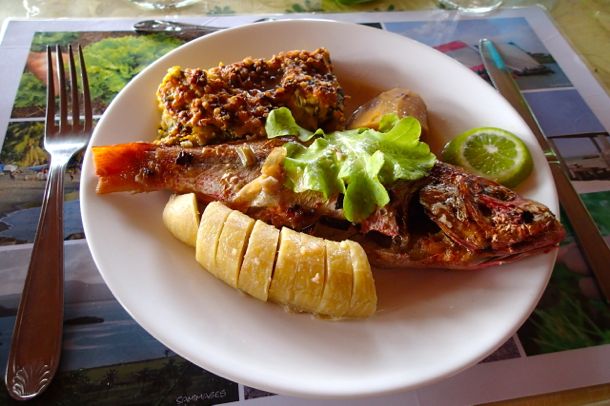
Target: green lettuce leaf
x: 281, y: 123
x: 358, y: 163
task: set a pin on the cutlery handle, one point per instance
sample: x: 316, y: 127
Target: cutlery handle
x: 592, y: 245
x: 152, y: 26
x: 37, y: 336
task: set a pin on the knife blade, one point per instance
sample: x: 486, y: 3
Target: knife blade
x: 592, y: 244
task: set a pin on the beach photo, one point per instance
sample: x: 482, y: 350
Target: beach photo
x: 532, y: 64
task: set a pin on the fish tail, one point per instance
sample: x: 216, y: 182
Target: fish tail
x: 118, y: 166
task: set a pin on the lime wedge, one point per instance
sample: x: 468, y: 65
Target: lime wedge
x: 490, y: 152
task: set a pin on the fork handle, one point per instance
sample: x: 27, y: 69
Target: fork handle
x: 37, y: 336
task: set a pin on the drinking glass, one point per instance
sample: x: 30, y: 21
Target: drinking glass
x: 470, y: 6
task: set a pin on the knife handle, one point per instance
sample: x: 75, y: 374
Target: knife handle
x: 592, y: 245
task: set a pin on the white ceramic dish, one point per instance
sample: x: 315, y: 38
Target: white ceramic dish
x: 430, y: 324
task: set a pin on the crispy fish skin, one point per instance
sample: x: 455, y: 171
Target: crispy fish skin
x: 231, y: 102
x: 448, y: 219
x: 220, y: 173
x: 483, y: 215
x: 468, y: 222
x: 213, y: 173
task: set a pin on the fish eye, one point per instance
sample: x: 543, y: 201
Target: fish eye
x: 527, y: 217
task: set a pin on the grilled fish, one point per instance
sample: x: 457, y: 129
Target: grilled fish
x: 448, y: 219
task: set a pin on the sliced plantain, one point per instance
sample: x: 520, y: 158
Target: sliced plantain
x: 282, y: 283
x: 259, y: 260
x: 210, y: 227
x: 310, y: 277
x: 232, y: 246
x: 302, y: 272
x: 181, y: 217
x: 364, y: 296
x: 337, y: 295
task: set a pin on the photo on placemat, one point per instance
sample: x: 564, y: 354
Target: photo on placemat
x: 587, y: 156
x: 253, y: 393
x: 579, y: 136
x: 572, y: 313
x: 24, y: 168
x: 563, y: 112
x: 113, y: 59
x: 105, y: 353
x: 531, y: 63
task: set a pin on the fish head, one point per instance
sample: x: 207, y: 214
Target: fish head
x: 486, y: 218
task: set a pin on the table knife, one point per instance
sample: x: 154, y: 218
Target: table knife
x: 592, y: 244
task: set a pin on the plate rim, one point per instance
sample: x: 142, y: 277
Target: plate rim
x: 86, y: 178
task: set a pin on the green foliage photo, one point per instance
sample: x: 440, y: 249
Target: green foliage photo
x: 32, y: 92
x: 43, y: 39
x: 113, y: 62
x: 598, y: 204
x: 23, y: 144
x: 566, y: 319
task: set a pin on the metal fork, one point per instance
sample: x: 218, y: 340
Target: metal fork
x: 37, y: 336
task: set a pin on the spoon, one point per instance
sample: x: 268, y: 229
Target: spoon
x: 151, y: 26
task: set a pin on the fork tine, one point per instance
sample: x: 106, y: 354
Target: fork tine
x: 74, y: 91
x: 88, y: 111
x: 63, y: 100
x: 50, y: 127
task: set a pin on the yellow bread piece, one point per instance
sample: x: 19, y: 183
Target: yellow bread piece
x: 181, y: 217
x: 310, y: 276
x: 210, y: 227
x: 232, y: 245
x: 337, y: 295
x: 259, y: 260
x: 364, y: 296
x: 287, y: 263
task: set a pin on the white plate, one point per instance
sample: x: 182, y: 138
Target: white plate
x: 430, y: 324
